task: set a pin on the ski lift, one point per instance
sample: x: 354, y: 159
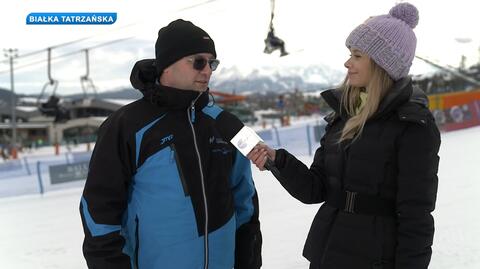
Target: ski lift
x: 85, y: 81
x: 273, y: 42
x: 51, y: 82
x: 52, y: 107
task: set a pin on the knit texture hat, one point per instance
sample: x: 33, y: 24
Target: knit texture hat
x: 389, y: 39
x: 179, y: 39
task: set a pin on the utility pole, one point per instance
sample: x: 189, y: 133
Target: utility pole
x: 10, y: 54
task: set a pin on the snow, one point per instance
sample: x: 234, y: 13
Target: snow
x: 45, y: 231
x: 27, y: 108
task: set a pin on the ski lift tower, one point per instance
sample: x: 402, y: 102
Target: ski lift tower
x: 10, y: 54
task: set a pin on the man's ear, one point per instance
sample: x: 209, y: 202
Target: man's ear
x: 163, y: 74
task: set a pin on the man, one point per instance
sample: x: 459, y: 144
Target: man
x: 164, y: 190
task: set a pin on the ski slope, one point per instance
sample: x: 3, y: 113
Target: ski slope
x: 45, y: 231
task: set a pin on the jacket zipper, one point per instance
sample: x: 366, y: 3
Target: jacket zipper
x: 191, y: 120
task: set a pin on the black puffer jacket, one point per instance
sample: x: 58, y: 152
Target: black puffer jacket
x: 393, y: 164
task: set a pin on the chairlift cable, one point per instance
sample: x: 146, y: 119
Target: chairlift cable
x: 67, y: 43
x: 67, y: 54
x: 451, y: 71
x: 92, y: 36
x: 196, y: 5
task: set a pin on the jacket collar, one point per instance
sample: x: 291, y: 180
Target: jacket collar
x: 173, y: 98
x: 400, y: 93
x: 144, y: 78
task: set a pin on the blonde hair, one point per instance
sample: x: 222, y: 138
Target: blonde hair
x: 379, y: 85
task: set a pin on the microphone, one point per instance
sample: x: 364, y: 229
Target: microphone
x: 242, y: 137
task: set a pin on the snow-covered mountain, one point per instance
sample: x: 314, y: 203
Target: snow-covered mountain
x: 258, y: 80
x: 278, y: 79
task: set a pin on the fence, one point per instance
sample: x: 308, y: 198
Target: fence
x: 302, y: 139
x: 43, y: 173
x: 458, y: 110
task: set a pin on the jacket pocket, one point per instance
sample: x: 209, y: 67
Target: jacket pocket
x: 176, y: 159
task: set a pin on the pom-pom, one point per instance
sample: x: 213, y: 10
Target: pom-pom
x: 405, y: 12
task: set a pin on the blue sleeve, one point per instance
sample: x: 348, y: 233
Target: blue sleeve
x: 248, y: 238
x: 243, y: 189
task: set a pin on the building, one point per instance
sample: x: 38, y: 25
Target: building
x: 35, y: 128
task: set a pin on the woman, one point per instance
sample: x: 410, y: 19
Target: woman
x: 376, y: 168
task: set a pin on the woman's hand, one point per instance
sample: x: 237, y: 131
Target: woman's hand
x: 259, y: 155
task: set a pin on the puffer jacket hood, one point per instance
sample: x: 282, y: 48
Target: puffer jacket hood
x: 402, y: 92
x: 143, y: 78
x: 143, y: 74
x: 419, y: 97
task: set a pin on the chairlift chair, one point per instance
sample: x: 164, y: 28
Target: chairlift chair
x: 273, y: 42
x: 85, y: 81
x: 52, y: 107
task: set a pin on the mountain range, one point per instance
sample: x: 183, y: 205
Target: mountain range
x: 264, y: 79
x: 254, y: 81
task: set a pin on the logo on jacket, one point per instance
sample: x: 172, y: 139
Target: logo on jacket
x: 217, y: 140
x: 167, y: 138
x: 219, y: 145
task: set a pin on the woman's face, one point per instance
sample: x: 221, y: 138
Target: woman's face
x: 359, y: 69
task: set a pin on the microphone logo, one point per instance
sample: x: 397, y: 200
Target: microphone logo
x: 245, y: 140
x: 242, y: 143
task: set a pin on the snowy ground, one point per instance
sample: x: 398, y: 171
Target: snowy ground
x: 45, y: 231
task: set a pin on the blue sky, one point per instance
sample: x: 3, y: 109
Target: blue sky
x: 314, y: 31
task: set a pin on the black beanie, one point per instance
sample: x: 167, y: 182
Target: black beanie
x: 179, y: 39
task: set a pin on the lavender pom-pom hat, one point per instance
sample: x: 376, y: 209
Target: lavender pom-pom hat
x: 388, y: 39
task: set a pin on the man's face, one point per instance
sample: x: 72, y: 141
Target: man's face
x: 188, y: 73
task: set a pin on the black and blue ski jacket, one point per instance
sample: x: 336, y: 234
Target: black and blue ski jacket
x: 164, y: 190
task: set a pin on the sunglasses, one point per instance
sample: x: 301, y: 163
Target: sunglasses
x: 199, y: 63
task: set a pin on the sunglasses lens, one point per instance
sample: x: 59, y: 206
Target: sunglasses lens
x: 199, y: 63
x: 214, y: 64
